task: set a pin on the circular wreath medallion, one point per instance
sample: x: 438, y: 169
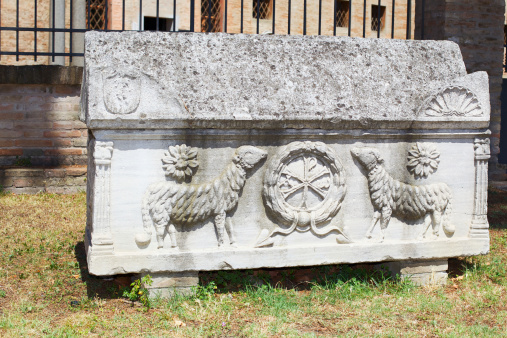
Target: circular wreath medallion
x: 304, y: 184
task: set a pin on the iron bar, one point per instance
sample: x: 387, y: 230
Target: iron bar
x: 42, y: 54
x: 364, y: 19
x: 89, y: 13
x: 392, y: 20
x: 140, y: 15
x: 208, y: 29
x: 34, y: 32
x: 53, y: 35
x: 320, y: 16
x: 258, y: 14
x: 174, y: 15
x: 157, y: 25
x: 422, y: 20
x: 123, y: 15
x: 242, y: 5
x: 288, y: 20
x: 106, y: 18
x: 409, y: 19
x: 192, y: 15
x: 225, y: 20
x: 378, y: 20
x: 334, y: 17
x: 274, y: 17
x: 17, y: 27
x: 304, y: 18
x: 70, y: 35
x: 350, y: 16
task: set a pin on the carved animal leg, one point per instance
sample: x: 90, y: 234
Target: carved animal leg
x: 160, y: 230
x: 220, y: 226
x: 376, y: 216
x: 427, y: 223
x: 229, y: 228
x: 172, y: 235
x: 436, y: 218
x: 384, y: 221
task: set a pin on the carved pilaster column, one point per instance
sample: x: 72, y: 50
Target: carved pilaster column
x: 480, y: 225
x: 102, y: 241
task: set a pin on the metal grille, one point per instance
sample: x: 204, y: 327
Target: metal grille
x: 376, y: 20
x: 342, y: 13
x: 264, y: 9
x: 211, y: 18
x: 96, y: 14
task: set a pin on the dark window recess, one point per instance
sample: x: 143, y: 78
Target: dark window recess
x: 376, y: 20
x: 164, y: 24
x: 264, y: 7
x: 211, y: 17
x: 342, y: 13
x: 95, y: 16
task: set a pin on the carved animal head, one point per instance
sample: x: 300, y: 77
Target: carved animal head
x: 368, y: 157
x: 248, y: 156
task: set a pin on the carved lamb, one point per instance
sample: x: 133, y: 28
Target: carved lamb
x: 168, y: 203
x: 408, y: 202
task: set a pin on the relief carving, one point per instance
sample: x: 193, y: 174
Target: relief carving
x: 392, y: 197
x: 122, y: 90
x: 480, y: 225
x: 102, y: 240
x: 423, y: 159
x: 168, y: 203
x: 453, y: 101
x: 180, y: 162
x: 304, y: 186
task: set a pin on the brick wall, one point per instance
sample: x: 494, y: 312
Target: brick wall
x: 40, y: 127
x: 477, y: 26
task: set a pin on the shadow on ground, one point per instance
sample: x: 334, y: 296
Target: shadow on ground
x: 106, y: 287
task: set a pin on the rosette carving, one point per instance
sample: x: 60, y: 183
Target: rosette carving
x: 423, y: 159
x: 180, y: 162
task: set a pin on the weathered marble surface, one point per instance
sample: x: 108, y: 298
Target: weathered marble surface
x: 224, y: 151
x: 188, y: 80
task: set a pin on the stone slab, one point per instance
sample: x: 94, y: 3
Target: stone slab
x: 167, y: 284
x: 421, y: 273
x: 189, y: 80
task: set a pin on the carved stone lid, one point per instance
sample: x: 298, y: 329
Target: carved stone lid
x: 154, y: 80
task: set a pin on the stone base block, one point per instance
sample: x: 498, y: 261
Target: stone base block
x: 421, y: 273
x: 168, y: 284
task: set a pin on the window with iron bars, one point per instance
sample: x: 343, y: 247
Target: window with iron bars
x: 211, y: 16
x: 342, y: 13
x: 264, y: 8
x: 95, y: 16
x: 378, y: 21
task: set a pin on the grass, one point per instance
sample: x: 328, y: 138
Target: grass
x: 45, y: 290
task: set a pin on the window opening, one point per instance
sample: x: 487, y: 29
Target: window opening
x: 264, y: 9
x: 211, y: 18
x: 377, y: 21
x: 164, y: 24
x: 342, y: 13
x: 96, y: 16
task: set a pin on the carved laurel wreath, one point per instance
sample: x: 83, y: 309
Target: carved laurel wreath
x: 331, y: 188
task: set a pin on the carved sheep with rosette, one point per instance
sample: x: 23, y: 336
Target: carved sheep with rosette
x: 392, y: 197
x: 168, y: 203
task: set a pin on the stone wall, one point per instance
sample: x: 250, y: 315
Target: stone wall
x: 40, y: 128
x: 477, y: 26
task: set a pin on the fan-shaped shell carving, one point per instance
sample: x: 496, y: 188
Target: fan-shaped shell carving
x: 454, y: 101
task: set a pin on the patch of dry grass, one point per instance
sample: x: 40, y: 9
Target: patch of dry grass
x: 45, y: 290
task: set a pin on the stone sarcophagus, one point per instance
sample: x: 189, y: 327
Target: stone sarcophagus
x: 216, y: 151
